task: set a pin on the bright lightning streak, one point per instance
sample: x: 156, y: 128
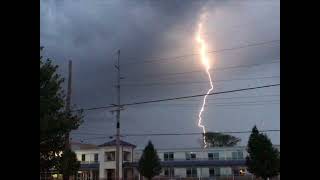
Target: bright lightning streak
x: 205, y: 62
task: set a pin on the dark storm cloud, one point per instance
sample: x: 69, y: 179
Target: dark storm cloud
x: 90, y: 32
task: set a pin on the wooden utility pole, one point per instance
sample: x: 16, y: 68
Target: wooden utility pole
x: 68, y: 102
x: 118, y: 120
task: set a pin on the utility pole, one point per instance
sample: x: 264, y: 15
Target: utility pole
x: 68, y: 102
x: 118, y: 119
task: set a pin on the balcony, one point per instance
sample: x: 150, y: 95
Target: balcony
x: 89, y: 165
x: 195, y: 163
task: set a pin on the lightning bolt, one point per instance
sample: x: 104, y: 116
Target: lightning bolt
x: 206, y: 63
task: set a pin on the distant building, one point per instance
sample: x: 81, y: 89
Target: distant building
x: 98, y: 162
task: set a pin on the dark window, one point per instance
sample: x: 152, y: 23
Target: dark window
x: 165, y: 156
x: 213, y: 156
x: 95, y: 157
x: 169, y: 172
x: 194, y: 172
x: 126, y: 156
x: 168, y: 156
x: 211, y: 172
x: 235, y: 171
x: 191, y: 172
x: 83, y: 157
x: 110, y: 156
x: 193, y: 156
x: 190, y: 156
x: 216, y: 156
x: 171, y: 156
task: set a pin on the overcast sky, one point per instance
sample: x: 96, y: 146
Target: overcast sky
x: 90, y: 32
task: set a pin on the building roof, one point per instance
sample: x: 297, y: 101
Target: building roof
x: 113, y: 143
x: 183, y: 149
x: 192, y: 163
x: 82, y: 146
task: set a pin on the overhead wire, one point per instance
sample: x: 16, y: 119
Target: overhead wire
x: 103, y: 136
x: 157, y: 60
x: 148, y: 76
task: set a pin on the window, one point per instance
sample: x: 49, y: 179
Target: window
x: 96, y: 157
x: 216, y: 156
x: 168, y: 156
x: 237, y: 155
x: 240, y: 155
x: 169, y: 172
x: 83, y: 157
x: 234, y: 155
x: 211, y: 172
x: 190, y: 156
x: 216, y: 171
x: 236, y: 171
x: 213, y: 156
x: 110, y: 156
x: 126, y: 156
x: 191, y: 172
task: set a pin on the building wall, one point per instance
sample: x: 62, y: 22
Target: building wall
x: 180, y: 154
x: 225, y: 153
x: 112, y: 164
x: 205, y: 172
x: 103, y: 165
x: 180, y: 172
x: 89, y: 154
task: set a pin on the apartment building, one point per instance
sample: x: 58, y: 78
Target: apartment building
x: 98, y: 162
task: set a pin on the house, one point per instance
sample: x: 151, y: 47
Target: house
x: 98, y: 162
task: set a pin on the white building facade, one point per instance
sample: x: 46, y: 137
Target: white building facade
x: 99, y: 162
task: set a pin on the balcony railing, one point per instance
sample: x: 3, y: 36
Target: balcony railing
x: 89, y: 162
x: 205, y: 159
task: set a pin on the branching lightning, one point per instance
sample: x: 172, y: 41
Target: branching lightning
x: 206, y: 63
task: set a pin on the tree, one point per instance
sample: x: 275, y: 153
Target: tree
x: 55, y: 122
x: 149, y: 163
x: 68, y: 163
x: 263, y: 159
x: 215, y: 139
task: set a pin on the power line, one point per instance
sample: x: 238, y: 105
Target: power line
x: 221, y: 103
x: 201, y: 71
x: 195, y: 82
x: 187, y: 108
x: 199, y: 95
x: 237, y: 97
x: 158, y: 60
x: 88, y: 133
x: 179, y: 134
x: 177, y: 98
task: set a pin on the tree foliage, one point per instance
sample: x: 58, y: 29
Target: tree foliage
x: 68, y: 163
x: 215, y: 139
x: 263, y: 159
x: 55, y: 122
x: 149, y: 163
